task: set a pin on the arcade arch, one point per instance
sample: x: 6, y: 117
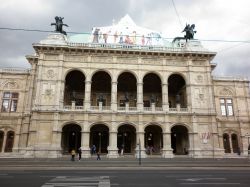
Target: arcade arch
x: 179, y: 140
x: 101, y: 89
x: 71, y: 138
x: 152, y: 90
x: 153, y: 139
x: 74, y: 88
x: 99, y: 136
x: 177, y: 91
x: 126, y: 138
x: 126, y: 89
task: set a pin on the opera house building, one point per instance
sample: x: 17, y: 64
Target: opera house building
x: 126, y: 90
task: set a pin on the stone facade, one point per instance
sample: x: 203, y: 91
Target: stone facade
x: 120, y: 98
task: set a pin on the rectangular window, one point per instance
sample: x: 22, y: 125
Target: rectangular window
x: 226, y: 106
x: 9, y: 103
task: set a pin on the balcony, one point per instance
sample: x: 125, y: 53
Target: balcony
x: 125, y: 109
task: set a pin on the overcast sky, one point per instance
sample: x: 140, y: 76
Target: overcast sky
x: 214, y: 19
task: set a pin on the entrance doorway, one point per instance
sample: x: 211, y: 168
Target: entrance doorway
x: 1, y: 140
x: 126, y: 138
x: 153, y: 139
x: 179, y: 140
x: 99, y: 136
x: 71, y: 138
x: 9, y: 141
x: 226, y: 143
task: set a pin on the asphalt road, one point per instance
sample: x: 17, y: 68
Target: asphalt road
x: 134, y: 177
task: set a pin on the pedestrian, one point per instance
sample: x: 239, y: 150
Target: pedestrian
x: 238, y: 151
x: 98, y: 156
x: 79, y: 153
x: 93, y: 149
x: 73, y: 153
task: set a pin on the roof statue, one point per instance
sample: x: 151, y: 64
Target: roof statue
x: 59, y: 25
x: 189, y: 32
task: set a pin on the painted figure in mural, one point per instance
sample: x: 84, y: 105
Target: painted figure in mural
x: 189, y: 31
x: 59, y: 25
x: 142, y: 40
x: 121, y: 38
x: 96, y: 36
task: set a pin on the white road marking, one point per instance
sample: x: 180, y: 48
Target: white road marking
x: 210, y: 183
x: 74, y: 181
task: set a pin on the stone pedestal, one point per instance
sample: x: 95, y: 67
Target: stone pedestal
x: 167, y: 153
x: 112, y: 152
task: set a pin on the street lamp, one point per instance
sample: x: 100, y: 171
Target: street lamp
x: 100, y: 141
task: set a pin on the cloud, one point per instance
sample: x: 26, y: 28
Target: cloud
x: 220, y: 20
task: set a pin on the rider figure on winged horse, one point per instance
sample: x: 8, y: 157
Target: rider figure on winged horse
x: 189, y: 32
x: 59, y: 25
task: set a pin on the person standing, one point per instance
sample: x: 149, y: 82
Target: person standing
x: 98, y: 156
x: 79, y: 153
x: 73, y: 153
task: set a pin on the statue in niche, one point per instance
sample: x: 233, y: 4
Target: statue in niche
x: 152, y: 98
x: 178, y: 99
x: 126, y: 97
x: 100, y: 98
x: 59, y: 25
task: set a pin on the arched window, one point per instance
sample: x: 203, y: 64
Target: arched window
x: 177, y: 91
x: 74, y: 88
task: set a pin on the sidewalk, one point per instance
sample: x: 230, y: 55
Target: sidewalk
x: 122, y: 162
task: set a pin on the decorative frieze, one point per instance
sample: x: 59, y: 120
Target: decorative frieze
x: 51, y: 57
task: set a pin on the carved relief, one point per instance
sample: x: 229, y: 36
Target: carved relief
x: 11, y: 85
x: 199, y: 94
x: 226, y: 92
x: 48, y: 92
x: 199, y: 79
x: 50, y: 74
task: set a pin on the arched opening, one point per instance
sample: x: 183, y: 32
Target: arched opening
x: 179, y: 140
x: 101, y: 89
x: 1, y: 140
x: 9, y: 141
x: 153, y: 139
x: 74, y: 88
x: 99, y: 136
x: 152, y: 92
x: 126, y: 90
x: 126, y: 138
x: 226, y: 143
x: 71, y: 138
x: 177, y: 91
x: 235, y: 144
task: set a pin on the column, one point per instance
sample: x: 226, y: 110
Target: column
x: 167, y: 151
x: 112, y: 148
x: 165, y: 105
x: 87, y: 95
x: 85, y: 144
x: 140, y: 96
x: 114, y: 96
x: 4, y: 141
x: 140, y: 141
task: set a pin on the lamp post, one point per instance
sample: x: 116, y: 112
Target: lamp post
x: 100, y: 142
x: 123, y: 142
